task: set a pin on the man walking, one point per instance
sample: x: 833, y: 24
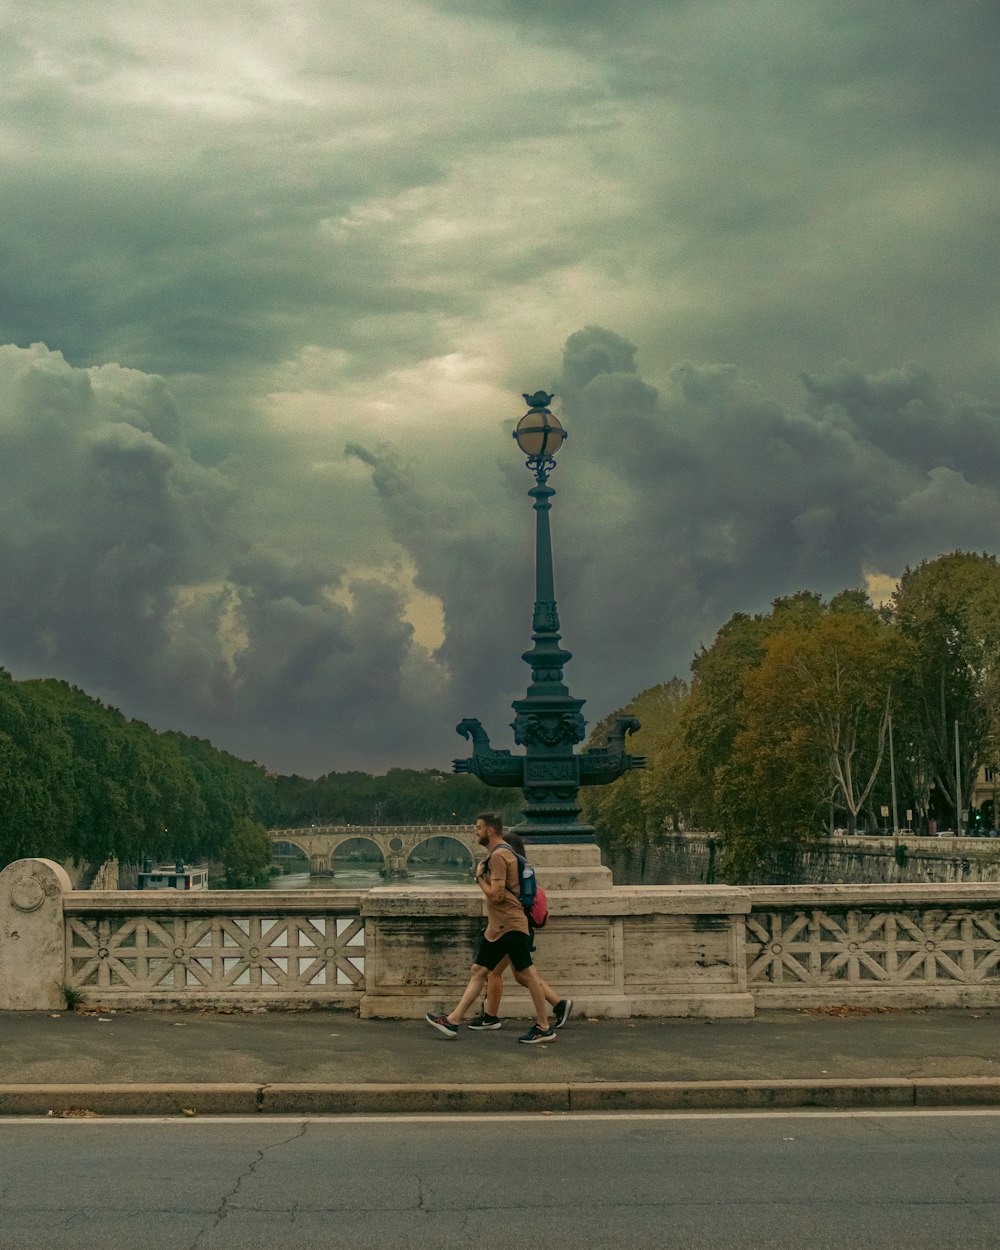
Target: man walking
x: 489, y: 1017
x: 506, y: 936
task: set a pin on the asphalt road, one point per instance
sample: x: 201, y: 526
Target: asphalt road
x: 802, y: 1180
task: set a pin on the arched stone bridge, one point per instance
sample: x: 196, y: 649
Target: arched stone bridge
x: 395, y: 843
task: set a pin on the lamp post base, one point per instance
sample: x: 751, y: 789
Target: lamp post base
x: 540, y: 833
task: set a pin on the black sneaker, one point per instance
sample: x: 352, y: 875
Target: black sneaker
x: 486, y: 1021
x: 442, y: 1024
x: 561, y: 1012
x: 537, y: 1034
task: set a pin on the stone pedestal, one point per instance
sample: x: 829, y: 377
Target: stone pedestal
x: 32, y: 943
x: 419, y: 944
x: 618, y: 952
x: 569, y: 866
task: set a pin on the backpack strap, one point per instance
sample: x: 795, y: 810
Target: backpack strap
x: 519, y: 859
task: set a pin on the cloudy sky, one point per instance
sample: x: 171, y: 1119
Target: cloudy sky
x: 274, y: 274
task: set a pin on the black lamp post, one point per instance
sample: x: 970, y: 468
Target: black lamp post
x: 548, y: 722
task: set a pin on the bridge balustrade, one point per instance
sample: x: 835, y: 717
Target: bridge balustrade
x: 216, y: 946
x: 400, y: 951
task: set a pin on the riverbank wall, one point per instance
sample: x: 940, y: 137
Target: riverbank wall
x: 694, y: 858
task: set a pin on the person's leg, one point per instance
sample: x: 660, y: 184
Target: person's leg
x: 494, y: 987
x: 551, y: 997
x: 529, y: 978
x: 472, y: 991
x: 542, y: 994
x: 561, y: 1007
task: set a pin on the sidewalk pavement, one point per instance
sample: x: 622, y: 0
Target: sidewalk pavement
x: 202, y: 1062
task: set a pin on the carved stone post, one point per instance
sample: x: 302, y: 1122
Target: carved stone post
x: 32, y: 935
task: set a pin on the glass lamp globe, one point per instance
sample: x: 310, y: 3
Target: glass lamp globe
x: 539, y: 434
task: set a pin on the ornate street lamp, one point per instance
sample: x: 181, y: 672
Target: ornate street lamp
x: 548, y: 722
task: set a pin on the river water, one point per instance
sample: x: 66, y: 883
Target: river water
x: 674, y: 860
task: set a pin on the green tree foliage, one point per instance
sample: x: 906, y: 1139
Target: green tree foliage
x: 714, y: 715
x: 948, y: 612
x: 402, y: 796
x: 634, y: 810
x: 231, y: 791
x: 787, y: 723
x: 815, y: 715
x: 246, y: 853
x: 111, y: 771
x: 37, y: 800
x: 78, y: 780
x: 784, y: 729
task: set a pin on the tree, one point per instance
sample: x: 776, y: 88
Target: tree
x: 37, y: 801
x: 714, y: 714
x: 78, y: 780
x: 401, y: 796
x: 633, y: 810
x: 246, y: 853
x: 828, y: 691
x: 787, y: 721
x: 110, y: 770
x: 948, y: 613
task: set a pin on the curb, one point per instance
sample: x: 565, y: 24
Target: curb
x: 70, y: 1101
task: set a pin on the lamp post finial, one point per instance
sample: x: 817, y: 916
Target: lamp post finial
x: 540, y: 399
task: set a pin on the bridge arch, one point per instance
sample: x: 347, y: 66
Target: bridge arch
x: 288, y: 836
x: 396, y: 843
x: 361, y: 839
x: 459, y: 842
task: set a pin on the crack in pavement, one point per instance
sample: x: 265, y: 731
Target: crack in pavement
x: 222, y: 1211
x: 421, y: 1206
x: 960, y: 1184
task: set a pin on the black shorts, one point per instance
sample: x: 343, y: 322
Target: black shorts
x: 516, y: 945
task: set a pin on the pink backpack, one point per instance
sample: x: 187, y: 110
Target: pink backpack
x: 538, y: 912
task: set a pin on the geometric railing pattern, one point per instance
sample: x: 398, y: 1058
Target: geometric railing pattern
x: 215, y: 952
x: 814, y: 947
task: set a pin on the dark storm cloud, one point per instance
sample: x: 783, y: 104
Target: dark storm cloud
x: 469, y: 551
x: 676, y: 509
x: 178, y: 224
x: 351, y: 227
x: 901, y: 412
x: 727, y: 497
x: 212, y: 266
x: 103, y: 514
x: 123, y: 571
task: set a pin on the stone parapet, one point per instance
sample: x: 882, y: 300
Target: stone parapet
x: 913, y: 945
x: 400, y: 950
x: 663, y: 951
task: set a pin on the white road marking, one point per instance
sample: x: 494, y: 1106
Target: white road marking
x: 536, y: 1117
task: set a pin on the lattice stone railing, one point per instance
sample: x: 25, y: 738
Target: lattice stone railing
x: 396, y: 951
x: 216, y: 946
x: 846, y: 944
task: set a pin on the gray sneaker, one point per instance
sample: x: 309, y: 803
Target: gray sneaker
x: 561, y: 1012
